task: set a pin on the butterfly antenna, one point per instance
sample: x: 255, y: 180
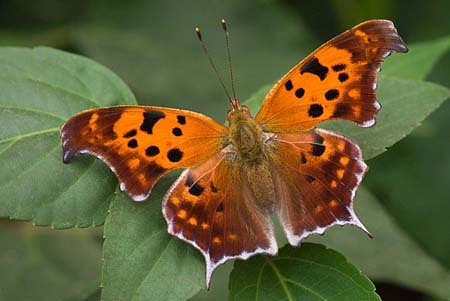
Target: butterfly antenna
x: 227, y: 38
x: 199, y: 35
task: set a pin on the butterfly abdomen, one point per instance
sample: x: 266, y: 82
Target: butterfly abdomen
x: 260, y: 182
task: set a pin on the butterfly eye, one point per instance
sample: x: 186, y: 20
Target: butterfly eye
x: 246, y: 110
x: 230, y: 114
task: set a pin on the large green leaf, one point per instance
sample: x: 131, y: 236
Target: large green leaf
x: 382, y: 258
x: 413, y: 183
x: 406, y: 103
x: 39, y: 265
x: 141, y: 260
x: 310, y: 272
x: 39, y: 89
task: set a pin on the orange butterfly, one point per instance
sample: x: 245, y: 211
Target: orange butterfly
x: 275, y: 162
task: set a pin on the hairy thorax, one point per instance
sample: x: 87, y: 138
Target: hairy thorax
x: 246, y: 136
x: 249, y: 144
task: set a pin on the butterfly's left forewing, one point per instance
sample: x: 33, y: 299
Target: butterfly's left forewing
x: 141, y: 144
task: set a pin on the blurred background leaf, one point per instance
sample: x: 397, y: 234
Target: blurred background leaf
x: 411, y: 181
x: 37, y: 264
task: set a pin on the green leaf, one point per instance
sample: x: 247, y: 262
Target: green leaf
x: 419, y: 61
x: 39, y: 265
x: 311, y: 272
x: 412, y: 180
x: 405, y: 104
x: 141, y: 260
x: 383, y: 258
x: 39, y: 89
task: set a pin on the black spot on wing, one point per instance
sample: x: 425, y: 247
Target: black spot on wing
x: 220, y: 208
x: 132, y: 143
x: 331, y: 94
x: 338, y: 67
x: 150, y: 119
x: 318, y: 148
x: 342, y: 77
x: 288, y: 85
x: 174, y: 155
x: 177, y: 132
x: 313, y: 66
x: 196, y: 189
x: 130, y: 134
x: 315, y: 110
x: 152, y: 151
x: 181, y: 119
x: 300, y: 92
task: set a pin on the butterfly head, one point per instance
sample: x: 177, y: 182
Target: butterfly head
x: 237, y: 108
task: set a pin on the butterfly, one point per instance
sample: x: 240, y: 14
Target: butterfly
x: 236, y: 176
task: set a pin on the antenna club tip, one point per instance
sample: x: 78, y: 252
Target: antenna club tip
x: 224, y: 24
x: 198, y: 32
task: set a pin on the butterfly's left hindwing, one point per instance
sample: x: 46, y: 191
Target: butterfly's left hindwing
x: 212, y: 207
x: 141, y: 144
x: 315, y: 174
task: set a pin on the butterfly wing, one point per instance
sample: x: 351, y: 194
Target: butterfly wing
x: 141, y: 144
x: 316, y: 189
x: 337, y: 81
x: 212, y: 207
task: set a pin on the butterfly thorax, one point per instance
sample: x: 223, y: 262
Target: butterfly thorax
x: 245, y: 135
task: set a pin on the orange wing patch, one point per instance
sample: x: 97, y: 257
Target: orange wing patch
x: 337, y: 81
x: 141, y: 144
